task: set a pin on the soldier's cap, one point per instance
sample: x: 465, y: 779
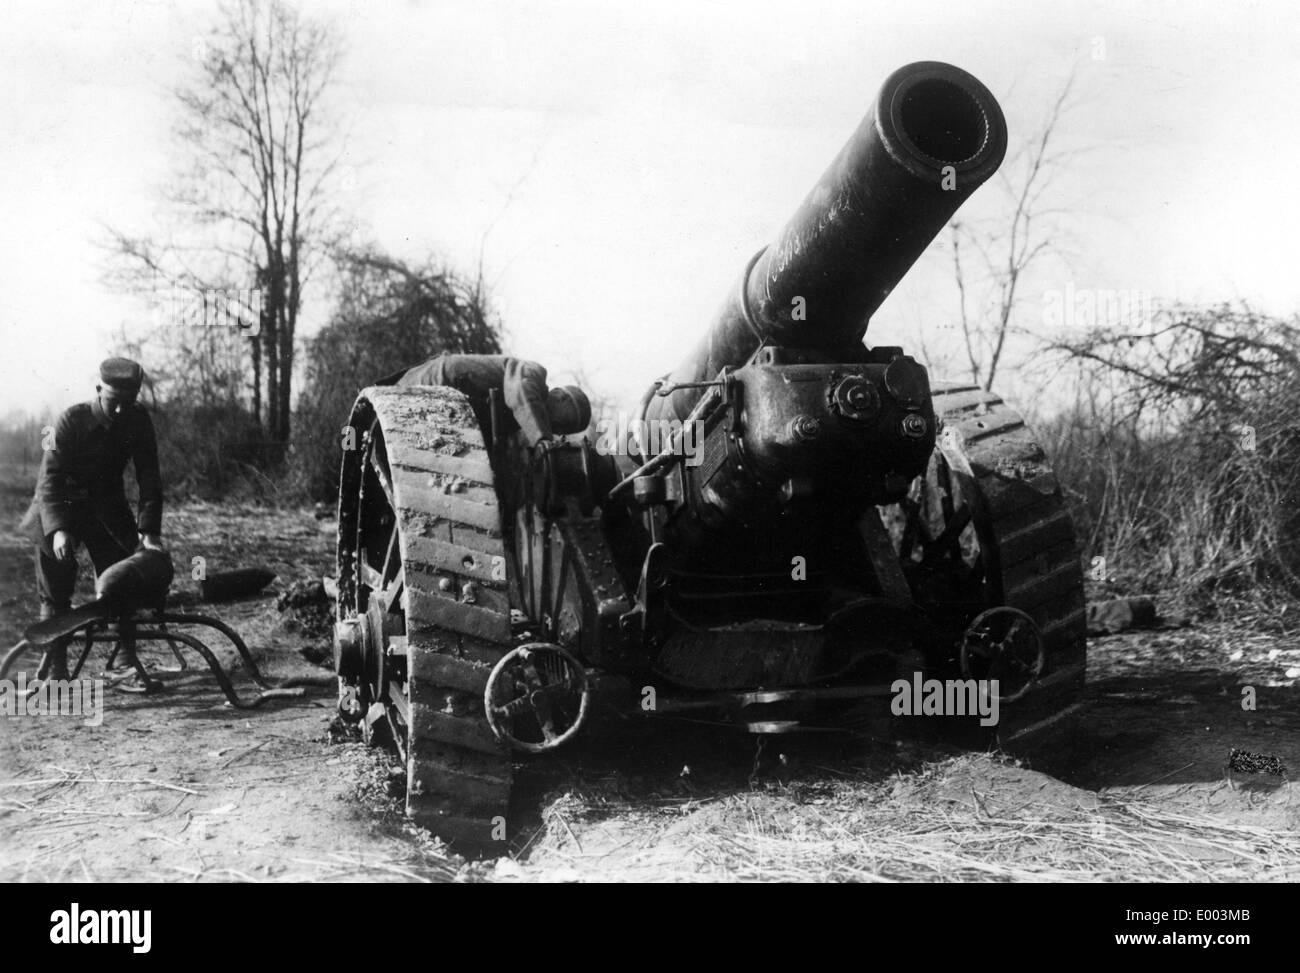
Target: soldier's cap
x: 121, y: 374
x: 573, y: 412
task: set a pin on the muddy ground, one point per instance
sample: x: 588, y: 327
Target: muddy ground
x: 181, y: 786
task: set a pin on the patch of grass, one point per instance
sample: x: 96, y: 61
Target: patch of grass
x: 973, y: 817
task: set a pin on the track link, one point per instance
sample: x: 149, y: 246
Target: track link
x: 1027, y: 536
x: 456, y: 610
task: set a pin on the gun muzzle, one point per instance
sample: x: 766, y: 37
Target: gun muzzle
x: 933, y: 136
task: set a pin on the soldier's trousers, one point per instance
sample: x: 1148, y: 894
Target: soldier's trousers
x: 56, y: 580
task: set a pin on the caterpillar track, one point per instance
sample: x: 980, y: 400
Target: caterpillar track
x: 421, y: 557
x: 1026, y: 540
x: 424, y: 563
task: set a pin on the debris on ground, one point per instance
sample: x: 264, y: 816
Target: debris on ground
x: 1123, y: 614
x: 239, y: 583
x: 307, y: 610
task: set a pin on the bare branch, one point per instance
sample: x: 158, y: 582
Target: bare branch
x: 257, y: 152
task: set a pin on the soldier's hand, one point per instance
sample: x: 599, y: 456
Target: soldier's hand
x: 62, y: 544
x: 151, y: 542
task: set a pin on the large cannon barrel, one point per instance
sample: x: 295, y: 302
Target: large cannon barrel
x: 934, y: 134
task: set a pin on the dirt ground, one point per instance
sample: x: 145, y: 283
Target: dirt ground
x: 181, y: 786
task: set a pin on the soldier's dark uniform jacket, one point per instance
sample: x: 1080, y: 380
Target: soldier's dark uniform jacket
x: 522, y: 385
x: 80, y: 491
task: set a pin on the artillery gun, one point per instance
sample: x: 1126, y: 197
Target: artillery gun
x: 839, y: 523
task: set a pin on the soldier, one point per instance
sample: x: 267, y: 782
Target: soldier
x: 80, y: 497
x: 538, y: 411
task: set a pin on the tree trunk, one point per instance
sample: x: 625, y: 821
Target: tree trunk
x: 286, y: 381
x: 255, y: 352
x: 272, y: 339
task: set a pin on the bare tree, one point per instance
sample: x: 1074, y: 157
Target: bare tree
x: 1004, y: 252
x: 252, y: 197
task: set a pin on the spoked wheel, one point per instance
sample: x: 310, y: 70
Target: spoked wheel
x: 546, y: 575
x: 986, y: 527
x: 537, y: 697
x: 379, y: 595
x: 376, y: 609
x: 1003, y: 645
x: 424, y: 613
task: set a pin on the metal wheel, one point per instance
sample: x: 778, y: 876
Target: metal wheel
x: 380, y: 583
x: 1003, y: 644
x: 537, y: 697
x: 987, y: 526
x: 423, y: 610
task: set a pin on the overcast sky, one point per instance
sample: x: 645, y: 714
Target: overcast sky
x: 617, y: 163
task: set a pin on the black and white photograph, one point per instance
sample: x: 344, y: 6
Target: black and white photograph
x: 680, y: 442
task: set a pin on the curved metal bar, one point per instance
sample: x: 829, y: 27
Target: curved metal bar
x: 223, y: 680
x: 85, y: 653
x: 91, y: 631
x: 670, y: 449
x: 116, y: 638
x: 638, y: 418
x: 180, y: 659
x: 181, y: 618
x: 12, y: 656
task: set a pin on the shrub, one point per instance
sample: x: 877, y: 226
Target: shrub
x: 1184, y: 473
